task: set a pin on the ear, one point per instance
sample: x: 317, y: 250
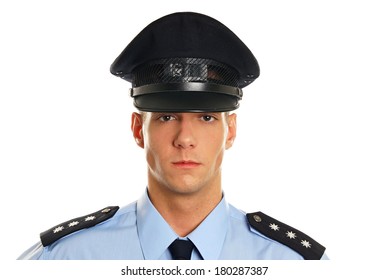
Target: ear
x: 231, y: 134
x: 136, y: 127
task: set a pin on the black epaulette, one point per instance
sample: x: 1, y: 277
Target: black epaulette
x: 291, y: 237
x: 51, y: 235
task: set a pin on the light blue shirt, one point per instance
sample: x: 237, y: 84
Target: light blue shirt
x: 138, y: 232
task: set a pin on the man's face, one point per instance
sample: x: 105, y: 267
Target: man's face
x: 184, y: 151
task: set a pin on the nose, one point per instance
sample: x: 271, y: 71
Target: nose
x: 185, y: 138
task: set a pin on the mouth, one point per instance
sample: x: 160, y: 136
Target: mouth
x: 186, y: 164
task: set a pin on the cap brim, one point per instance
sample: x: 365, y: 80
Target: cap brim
x: 186, y: 102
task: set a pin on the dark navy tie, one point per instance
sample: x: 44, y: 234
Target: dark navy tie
x: 181, y: 249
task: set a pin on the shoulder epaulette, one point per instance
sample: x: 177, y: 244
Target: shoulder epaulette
x: 291, y: 237
x: 55, y: 233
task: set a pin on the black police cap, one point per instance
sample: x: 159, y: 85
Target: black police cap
x: 186, y: 62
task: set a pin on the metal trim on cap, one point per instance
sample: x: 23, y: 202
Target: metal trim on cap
x: 169, y: 87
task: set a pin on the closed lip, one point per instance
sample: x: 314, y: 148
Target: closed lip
x: 186, y: 164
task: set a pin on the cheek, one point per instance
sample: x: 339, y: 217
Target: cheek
x: 218, y: 141
x: 155, y: 148
x: 214, y: 147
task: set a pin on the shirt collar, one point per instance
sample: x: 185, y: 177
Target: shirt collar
x: 156, y: 235
x: 209, y: 236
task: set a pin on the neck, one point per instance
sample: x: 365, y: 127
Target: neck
x: 184, y: 211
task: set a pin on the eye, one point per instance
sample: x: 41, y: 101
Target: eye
x: 208, y: 118
x: 166, y: 118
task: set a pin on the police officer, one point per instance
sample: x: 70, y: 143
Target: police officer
x: 187, y: 72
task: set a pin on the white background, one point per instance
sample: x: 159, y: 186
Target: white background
x: 312, y: 146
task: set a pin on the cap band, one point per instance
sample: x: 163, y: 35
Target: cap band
x: 191, y: 87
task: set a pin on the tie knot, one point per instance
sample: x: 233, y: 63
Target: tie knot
x: 181, y: 249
